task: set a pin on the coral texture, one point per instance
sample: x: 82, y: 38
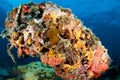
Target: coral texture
x: 60, y: 40
x: 32, y: 71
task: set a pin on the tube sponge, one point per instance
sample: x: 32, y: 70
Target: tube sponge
x: 59, y: 38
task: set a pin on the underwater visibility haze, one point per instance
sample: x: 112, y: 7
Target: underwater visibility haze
x: 78, y: 40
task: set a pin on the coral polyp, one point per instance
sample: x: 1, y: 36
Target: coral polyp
x: 59, y: 38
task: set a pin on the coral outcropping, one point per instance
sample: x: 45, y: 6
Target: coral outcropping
x: 59, y: 38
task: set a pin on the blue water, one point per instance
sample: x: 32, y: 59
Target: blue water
x: 102, y: 16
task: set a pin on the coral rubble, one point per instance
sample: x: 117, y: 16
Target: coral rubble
x: 60, y: 40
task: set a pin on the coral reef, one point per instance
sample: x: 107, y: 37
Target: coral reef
x: 32, y: 71
x: 37, y: 71
x: 60, y: 40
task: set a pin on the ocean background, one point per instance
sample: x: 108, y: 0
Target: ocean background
x: 101, y: 16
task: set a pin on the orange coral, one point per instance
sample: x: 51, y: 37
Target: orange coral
x: 44, y: 59
x: 53, y: 61
x: 20, y: 52
x: 25, y: 8
x: 26, y: 51
x: 66, y: 76
x: 96, y: 67
x: 32, y: 52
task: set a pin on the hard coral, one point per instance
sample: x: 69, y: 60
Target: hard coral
x: 60, y: 40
